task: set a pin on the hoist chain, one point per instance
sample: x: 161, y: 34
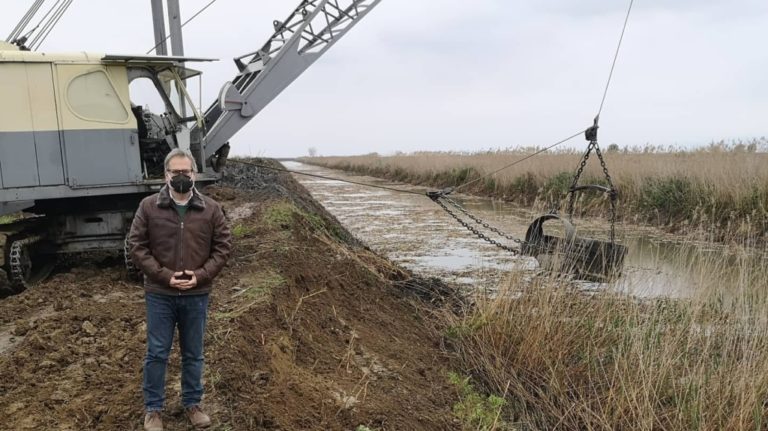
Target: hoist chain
x: 480, y: 221
x: 438, y: 200
x: 591, y: 135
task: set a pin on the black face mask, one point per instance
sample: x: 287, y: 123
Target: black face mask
x: 181, y: 183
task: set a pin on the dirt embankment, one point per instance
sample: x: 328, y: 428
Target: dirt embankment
x: 308, y: 330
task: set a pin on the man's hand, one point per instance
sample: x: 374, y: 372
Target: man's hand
x: 183, y: 280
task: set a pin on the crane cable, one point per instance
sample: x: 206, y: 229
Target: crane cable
x: 307, y: 174
x: 441, y: 197
x: 615, y: 58
x: 154, y: 48
x: 597, y: 117
x: 449, y: 190
x: 24, y: 21
x: 562, y: 141
x: 20, y: 39
x: 39, y: 38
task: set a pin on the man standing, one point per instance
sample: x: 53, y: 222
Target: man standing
x: 180, y: 241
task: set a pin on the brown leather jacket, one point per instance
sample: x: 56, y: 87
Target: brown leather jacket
x: 161, y: 244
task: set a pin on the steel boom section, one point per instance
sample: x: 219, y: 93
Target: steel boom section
x: 312, y: 28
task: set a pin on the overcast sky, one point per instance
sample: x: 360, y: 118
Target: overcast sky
x: 469, y: 75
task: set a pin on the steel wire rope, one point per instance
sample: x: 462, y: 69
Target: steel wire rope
x: 21, y: 24
x: 591, y: 136
x: 154, y: 48
x: 615, y: 58
x: 45, y: 17
x: 45, y: 21
x: 307, y: 174
x: 24, y: 21
x: 560, y: 142
x: 600, y: 110
x: 437, y: 196
x: 52, y: 23
x: 475, y: 219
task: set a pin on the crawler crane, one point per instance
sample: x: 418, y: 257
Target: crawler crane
x: 79, y: 155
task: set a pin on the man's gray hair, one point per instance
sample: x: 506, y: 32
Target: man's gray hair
x: 178, y: 152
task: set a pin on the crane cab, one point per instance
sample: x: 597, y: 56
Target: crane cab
x: 68, y: 123
x: 78, y: 147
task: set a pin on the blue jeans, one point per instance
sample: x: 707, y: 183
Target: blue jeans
x: 164, y: 313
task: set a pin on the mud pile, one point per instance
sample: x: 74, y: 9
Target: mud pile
x: 307, y: 330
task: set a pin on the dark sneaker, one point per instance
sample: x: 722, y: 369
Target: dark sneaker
x: 153, y: 421
x: 198, y: 418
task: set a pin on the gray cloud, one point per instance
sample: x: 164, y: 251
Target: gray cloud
x: 461, y: 75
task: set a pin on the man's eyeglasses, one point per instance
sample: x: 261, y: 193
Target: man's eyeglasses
x: 186, y: 172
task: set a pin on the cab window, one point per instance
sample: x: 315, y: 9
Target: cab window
x: 92, y: 97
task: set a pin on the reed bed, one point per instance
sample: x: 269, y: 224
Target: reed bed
x: 720, y: 190
x: 564, y: 359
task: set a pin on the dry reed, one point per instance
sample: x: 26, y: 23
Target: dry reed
x: 715, y: 189
x: 570, y: 360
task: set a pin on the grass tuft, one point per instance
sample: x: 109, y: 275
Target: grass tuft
x: 475, y: 411
x: 607, y: 361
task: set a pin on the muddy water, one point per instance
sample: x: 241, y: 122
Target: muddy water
x: 412, y: 230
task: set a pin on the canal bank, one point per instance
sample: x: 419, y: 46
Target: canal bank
x: 307, y: 329
x: 411, y: 230
x: 679, y: 342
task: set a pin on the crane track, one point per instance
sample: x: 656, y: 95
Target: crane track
x: 22, y: 265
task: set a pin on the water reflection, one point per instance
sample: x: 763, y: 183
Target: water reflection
x: 413, y: 231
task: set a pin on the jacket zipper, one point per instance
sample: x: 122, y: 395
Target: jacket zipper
x: 181, y: 245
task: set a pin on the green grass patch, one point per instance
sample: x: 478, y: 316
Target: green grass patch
x: 242, y: 230
x: 284, y: 215
x: 672, y: 198
x: 525, y: 187
x: 557, y: 186
x: 259, y: 285
x: 280, y: 215
x: 466, y: 328
x: 474, y: 410
x: 256, y: 289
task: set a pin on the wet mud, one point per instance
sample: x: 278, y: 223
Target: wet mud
x: 308, y: 329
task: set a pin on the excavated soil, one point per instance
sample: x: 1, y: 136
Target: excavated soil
x: 308, y: 330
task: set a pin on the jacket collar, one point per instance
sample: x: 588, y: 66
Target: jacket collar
x: 164, y: 199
